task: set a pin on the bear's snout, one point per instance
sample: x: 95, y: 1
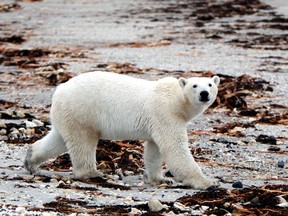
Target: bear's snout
x: 204, y: 96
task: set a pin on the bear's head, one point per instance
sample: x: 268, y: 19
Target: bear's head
x: 200, y: 91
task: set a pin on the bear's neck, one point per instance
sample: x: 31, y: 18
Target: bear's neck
x: 189, y: 111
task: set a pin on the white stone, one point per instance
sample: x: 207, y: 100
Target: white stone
x: 30, y: 124
x: 21, y: 130
x: 283, y: 203
x: 38, y: 122
x: 180, y: 206
x: 66, y: 178
x: 128, y: 173
x: 135, y: 211
x: 3, y: 132
x: 53, y: 180
x: 20, y: 114
x: 14, y: 131
x: 204, y: 208
x: 155, y: 205
x: 20, y: 210
x: 129, y: 198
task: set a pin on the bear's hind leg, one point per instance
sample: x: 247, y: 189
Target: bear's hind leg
x: 49, y: 146
x: 82, y: 151
x: 153, y: 164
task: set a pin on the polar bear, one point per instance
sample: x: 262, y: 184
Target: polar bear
x: 104, y: 105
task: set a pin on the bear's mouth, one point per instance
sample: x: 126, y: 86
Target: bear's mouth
x: 204, y: 100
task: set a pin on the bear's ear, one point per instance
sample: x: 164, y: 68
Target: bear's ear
x: 216, y: 80
x: 182, y: 82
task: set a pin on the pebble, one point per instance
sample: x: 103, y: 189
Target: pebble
x: 62, y: 182
x: 238, y: 129
x: 14, y: 131
x: 53, y: 180
x: 281, y: 164
x: 205, y: 208
x: 21, y: 130
x: 155, y: 205
x: 30, y: 124
x: 20, y: 210
x: 181, y: 207
x: 115, y: 177
x: 111, y: 181
x: 29, y: 131
x: 75, y: 184
x: 274, y: 148
x: 119, y: 173
x: 3, y: 132
x: 237, y: 184
x: 135, y: 211
x: 38, y: 122
x: 55, y: 176
x: 252, y: 142
x: 282, y: 202
x: 240, y: 143
x: 196, y: 212
x: 66, y: 178
x: 129, y: 198
x: 266, y: 139
x: 44, y: 70
x: 128, y: 173
x: 164, y: 185
x: 283, y: 205
x: 171, y: 213
x: 20, y: 114
x: 255, y: 201
x: 13, y: 136
x: 60, y: 70
x: 140, y: 184
x: 227, y: 205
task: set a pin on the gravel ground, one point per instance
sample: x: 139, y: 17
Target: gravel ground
x: 242, y: 140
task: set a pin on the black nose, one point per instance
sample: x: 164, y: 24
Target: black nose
x: 204, y: 96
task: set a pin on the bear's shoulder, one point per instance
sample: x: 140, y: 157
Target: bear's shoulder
x: 167, y: 82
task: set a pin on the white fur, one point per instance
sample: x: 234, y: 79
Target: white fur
x: 101, y: 105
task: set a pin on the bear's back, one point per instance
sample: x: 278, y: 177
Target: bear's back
x: 110, y: 103
x: 104, y: 85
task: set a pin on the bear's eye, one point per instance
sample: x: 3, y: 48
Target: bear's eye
x: 210, y: 85
x: 194, y: 86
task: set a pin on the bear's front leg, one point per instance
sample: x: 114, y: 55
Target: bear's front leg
x: 153, y: 165
x: 181, y: 163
